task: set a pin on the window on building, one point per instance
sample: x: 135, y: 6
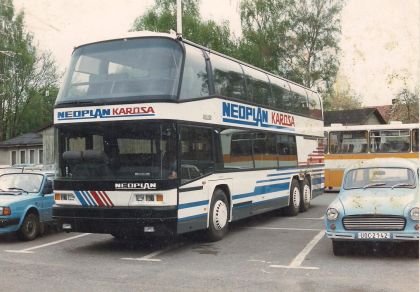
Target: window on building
x: 13, y: 158
x: 32, y: 156
x: 22, y: 156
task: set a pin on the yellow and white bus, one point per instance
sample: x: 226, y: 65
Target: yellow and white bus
x: 344, y: 145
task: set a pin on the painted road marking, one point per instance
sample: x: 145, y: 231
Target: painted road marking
x: 150, y: 257
x: 30, y: 250
x: 298, y: 260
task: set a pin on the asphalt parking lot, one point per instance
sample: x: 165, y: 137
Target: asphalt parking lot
x: 264, y: 253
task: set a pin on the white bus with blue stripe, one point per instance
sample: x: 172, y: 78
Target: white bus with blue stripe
x: 157, y: 135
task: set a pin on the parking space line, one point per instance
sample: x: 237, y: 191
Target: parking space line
x: 282, y: 228
x: 30, y: 250
x: 298, y: 260
x: 150, y: 257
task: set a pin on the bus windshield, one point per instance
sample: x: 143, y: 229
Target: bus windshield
x: 117, y: 151
x: 123, y: 70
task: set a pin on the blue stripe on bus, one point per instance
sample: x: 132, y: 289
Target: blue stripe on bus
x: 260, y: 190
x: 285, y: 173
x: 260, y: 202
x: 88, y: 198
x: 275, y: 179
x: 81, y: 199
x: 192, y: 217
x: 256, y: 124
x: 193, y: 204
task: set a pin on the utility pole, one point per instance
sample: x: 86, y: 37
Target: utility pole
x: 179, y: 18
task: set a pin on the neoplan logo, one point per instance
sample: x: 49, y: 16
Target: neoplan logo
x: 135, y: 186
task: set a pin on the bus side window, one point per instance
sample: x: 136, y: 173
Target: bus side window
x: 195, y: 81
x: 415, y: 140
x: 281, y: 92
x: 257, y: 86
x: 228, y: 77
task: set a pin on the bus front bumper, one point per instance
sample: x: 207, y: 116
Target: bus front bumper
x: 123, y: 221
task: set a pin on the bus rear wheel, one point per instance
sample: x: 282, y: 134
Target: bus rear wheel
x: 294, y: 199
x: 219, y: 216
x: 305, y: 198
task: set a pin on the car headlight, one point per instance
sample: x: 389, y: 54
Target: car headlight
x: 414, y: 213
x: 332, y: 214
x: 5, y: 211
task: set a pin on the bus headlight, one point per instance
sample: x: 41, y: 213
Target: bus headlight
x: 63, y: 197
x: 149, y: 197
x: 414, y: 213
x: 332, y: 214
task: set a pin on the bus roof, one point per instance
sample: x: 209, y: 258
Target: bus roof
x: 141, y: 34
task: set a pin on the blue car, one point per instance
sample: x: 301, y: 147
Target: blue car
x: 378, y: 202
x: 26, y: 200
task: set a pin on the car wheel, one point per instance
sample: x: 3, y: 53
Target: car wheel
x: 305, y: 198
x: 294, y: 199
x: 30, y: 227
x: 340, y: 248
x: 219, y: 216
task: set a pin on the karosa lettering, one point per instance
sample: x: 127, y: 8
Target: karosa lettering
x: 103, y: 113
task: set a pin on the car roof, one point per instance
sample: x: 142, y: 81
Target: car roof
x: 385, y: 162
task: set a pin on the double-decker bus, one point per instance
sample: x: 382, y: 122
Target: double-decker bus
x: 345, y: 145
x: 158, y: 135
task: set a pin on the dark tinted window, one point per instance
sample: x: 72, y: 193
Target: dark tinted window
x: 415, y: 134
x: 257, y: 86
x: 196, y: 152
x: 265, y: 152
x: 325, y: 142
x: 237, y: 148
x: 124, y: 70
x: 299, y: 100
x: 281, y: 94
x: 227, y: 77
x: 286, y: 149
x: 195, y: 80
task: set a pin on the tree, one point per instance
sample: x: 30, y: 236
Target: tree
x: 297, y: 39
x: 405, y: 106
x: 341, y: 100
x: 25, y: 74
x: 162, y: 18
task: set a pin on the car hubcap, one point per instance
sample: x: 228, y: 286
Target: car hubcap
x: 219, y: 215
x: 30, y: 227
x: 296, y: 197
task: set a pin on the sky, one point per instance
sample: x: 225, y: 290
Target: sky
x: 380, y: 38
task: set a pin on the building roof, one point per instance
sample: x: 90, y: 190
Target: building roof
x: 385, y: 111
x: 28, y: 139
x: 352, y: 117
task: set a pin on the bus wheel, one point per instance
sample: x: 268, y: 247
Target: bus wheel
x: 30, y: 227
x: 294, y: 200
x: 219, y: 216
x: 305, y: 198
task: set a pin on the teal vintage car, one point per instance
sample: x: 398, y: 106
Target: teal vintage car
x: 378, y: 201
x: 26, y: 200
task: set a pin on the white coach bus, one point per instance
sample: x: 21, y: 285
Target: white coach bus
x: 158, y: 135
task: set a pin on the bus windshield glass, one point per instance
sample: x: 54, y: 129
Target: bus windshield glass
x: 117, y: 151
x: 123, y: 70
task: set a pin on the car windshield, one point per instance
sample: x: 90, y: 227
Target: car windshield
x: 26, y: 182
x: 124, y: 150
x: 379, y: 177
x: 122, y: 70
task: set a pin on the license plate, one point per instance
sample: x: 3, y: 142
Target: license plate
x: 374, y: 235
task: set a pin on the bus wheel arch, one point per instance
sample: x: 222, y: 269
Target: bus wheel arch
x: 306, y: 193
x: 218, y: 215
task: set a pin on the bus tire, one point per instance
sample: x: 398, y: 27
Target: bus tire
x: 294, y: 199
x: 218, y: 216
x: 30, y: 227
x: 305, y: 196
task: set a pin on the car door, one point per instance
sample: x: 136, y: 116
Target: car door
x: 47, y: 199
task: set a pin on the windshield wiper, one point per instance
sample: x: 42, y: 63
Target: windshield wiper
x: 402, y: 185
x: 374, y: 185
x: 17, y: 189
